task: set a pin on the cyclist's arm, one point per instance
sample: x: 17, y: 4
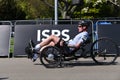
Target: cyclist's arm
x: 75, y: 46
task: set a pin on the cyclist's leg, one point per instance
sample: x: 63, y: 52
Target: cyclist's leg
x: 51, y: 39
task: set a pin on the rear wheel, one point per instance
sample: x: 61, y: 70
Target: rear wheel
x: 50, y: 57
x: 104, y: 51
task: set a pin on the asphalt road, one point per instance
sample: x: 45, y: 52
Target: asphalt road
x: 85, y: 69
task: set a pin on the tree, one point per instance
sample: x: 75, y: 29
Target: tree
x: 109, y: 9
x: 32, y: 9
x: 35, y: 9
x: 90, y: 9
x: 10, y: 11
x: 100, y: 9
x: 65, y: 7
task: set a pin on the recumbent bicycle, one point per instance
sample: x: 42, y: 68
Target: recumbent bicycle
x: 102, y: 51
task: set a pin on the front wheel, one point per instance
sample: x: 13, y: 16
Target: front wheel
x: 104, y: 51
x: 50, y: 57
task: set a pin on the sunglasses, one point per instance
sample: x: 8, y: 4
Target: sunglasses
x: 80, y: 26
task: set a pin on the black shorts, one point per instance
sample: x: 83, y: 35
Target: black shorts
x: 58, y: 43
x: 65, y: 48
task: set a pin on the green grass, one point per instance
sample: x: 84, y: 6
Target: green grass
x: 12, y: 45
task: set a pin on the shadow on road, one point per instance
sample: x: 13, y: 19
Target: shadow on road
x: 4, y: 78
x: 70, y: 64
x: 83, y: 63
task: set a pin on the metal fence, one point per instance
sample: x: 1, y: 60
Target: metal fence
x: 108, y: 28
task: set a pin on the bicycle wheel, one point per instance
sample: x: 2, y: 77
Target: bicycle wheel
x: 104, y: 51
x: 50, y: 57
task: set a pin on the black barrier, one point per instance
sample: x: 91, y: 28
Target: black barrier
x: 110, y: 29
x: 4, y: 39
x: 37, y: 33
x: 23, y: 33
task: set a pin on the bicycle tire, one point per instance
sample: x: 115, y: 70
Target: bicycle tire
x: 104, y: 51
x: 50, y: 63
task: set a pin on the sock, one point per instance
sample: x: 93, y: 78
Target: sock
x: 37, y: 47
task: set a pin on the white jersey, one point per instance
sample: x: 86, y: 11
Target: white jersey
x: 79, y: 38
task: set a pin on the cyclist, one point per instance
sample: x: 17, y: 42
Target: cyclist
x: 53, y: 40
